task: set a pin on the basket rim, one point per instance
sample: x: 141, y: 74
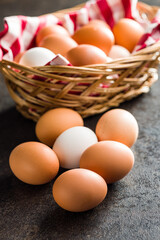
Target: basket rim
x: 147, y: 50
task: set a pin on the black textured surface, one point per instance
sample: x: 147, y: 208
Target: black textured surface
x: 131, y: 208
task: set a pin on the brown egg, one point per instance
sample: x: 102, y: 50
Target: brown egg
x: 51, y: 29
x: 127, y: 33
x: 117, y: 125
x: 18, y: 57
x: 111, y: 160
x: 86, y: 54
x: 54, y: 122
x: 96, y: 35
x: 79, y: 190
x: 34, y: 163
x: 99, y: 23
x: 58, y: 44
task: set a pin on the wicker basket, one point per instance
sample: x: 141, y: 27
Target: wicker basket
x: 82, y: 91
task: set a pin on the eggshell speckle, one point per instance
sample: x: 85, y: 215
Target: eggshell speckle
x: 79, y: 190
x: 112, y: 160
x: 70, y: 145
x: 52, y: 123
x: 34, y: 163
x: 117, y: 125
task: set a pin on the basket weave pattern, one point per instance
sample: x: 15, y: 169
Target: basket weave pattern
x: 88, y: 90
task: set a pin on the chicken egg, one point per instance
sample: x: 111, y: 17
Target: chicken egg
x: 36, y: 56
x: 18, y: 57
x: 111, y: 160
x: 127, y: 33
x: 118, y: 52
x: 52, y: 123
x: 59, y: 44
x: 34, y: 163
x: 86, y: 54
x: 117, y: 125
x: 99, y: 36
x: 70, y: 145
x: 51, y: 29
x: 79, y: 190
x: 99, y: 23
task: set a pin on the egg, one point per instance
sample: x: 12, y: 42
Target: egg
x: 118, y: 52
x: 34, y: 163
x: 98, y: 22
x: 110, y: 159
x: 86, y: 54
x: 52, y: 123
x: 36, y: 56
x: 79, y: 190
x: 99, y: 36
x: 127, y: 33
x: 59, y: 44
x: 117, y: 125
x: 70, y: 145
x: 50, y: 29
x: 18, y: 57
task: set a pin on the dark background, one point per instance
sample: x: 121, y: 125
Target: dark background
x: 131, y: 208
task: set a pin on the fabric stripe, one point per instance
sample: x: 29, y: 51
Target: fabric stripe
x: 127, y: 8
x: 106, y: 12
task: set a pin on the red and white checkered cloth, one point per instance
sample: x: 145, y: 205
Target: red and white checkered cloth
x: 20, y: 31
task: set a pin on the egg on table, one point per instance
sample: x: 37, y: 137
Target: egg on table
x: 117, y: 125
x: 110, y: 159
x: 34, y: 163
x: 70, y: 145
x: 36, y: 56
x: 55, y: 121
x: 79, y: 190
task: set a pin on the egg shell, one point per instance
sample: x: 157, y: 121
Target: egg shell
x: 34, y: 163
x: 18, y: 57
x: 50, y: 29
x: 86, y: 54
x: 111, y: 160
x: 52, y: 123
x: 98, y: 22
x: 36, y: 56
x: 127, y: 33
x: 118, y: 52
x: 117, y: 125
x: 96, y: 35
x: 59, y: 44
x: 70, y: 145
x: 79, y: 190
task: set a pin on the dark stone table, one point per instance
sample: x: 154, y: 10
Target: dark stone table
x: 131, y: 208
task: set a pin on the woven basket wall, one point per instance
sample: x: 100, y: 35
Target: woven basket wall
x: 88, y: 90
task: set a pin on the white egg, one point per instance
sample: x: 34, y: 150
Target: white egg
x: 70, y: 145
x: 118, y: 52
x: 37, y: 56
